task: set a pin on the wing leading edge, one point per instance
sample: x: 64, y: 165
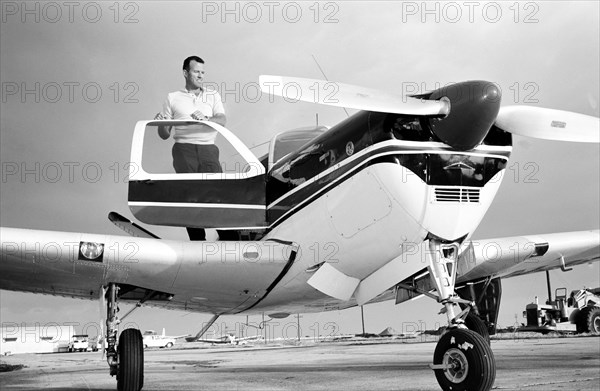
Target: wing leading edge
x: 215, y: 277
x: 519, y: 255
x: 488, y: 259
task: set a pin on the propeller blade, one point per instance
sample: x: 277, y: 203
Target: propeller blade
x: 549, y: 124
x: 349, y: 96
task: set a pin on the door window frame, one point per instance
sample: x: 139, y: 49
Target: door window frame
x: 137, y: 172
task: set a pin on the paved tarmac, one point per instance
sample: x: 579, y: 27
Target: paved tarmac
x: 522, y: 364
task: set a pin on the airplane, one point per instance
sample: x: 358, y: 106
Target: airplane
x: 228, y: 338
x: 390, y: 197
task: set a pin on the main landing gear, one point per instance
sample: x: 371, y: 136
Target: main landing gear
x: 463, y: 359
x: 125, y: 359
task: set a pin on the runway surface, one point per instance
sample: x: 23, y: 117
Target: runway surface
x: 522, y: 364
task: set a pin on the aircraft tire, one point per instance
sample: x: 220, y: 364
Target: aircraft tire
x: 476, y: 324
x: 589, y: 320
x: 168, y: 345
x: 130, y: 376
x: 469, y: 360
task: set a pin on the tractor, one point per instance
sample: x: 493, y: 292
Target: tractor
x: 579, y: 313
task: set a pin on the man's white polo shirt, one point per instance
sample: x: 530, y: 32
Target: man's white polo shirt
x: 181, y: 104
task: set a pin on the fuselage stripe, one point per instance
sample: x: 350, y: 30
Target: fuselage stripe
x: 196, y: 205
x: 336, y: 174
x: 385, y: 149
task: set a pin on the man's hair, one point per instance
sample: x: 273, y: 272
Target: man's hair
x: 186, y: 62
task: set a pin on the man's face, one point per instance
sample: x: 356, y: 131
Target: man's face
x: 194, y: 75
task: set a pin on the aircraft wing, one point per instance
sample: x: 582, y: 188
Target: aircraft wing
x: 482, y: 259
x: 229, y: 276
x: 226, y: 339
x: 178, y: 336
x: 518, y: 255
x: 211, y: 340
x: 493, y: 258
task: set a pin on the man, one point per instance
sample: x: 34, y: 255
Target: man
x: 194, y: 150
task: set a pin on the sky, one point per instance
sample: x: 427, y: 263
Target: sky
x: 76, y: 77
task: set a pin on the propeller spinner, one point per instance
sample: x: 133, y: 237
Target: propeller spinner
x: 474, y: 106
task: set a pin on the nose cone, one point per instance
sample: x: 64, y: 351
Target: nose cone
x: 474, y: 106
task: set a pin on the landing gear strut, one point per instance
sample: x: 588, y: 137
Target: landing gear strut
x: 125, y: 359
x: 463, y: 360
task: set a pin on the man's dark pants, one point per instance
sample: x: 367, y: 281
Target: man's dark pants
x: 196, y: 158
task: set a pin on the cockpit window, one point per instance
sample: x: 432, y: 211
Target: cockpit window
x: 408, y: 128
x: 290, y: 141
x: 411, y: 128
x: 463, y: 170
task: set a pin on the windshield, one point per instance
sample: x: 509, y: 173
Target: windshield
x: 286, y: 142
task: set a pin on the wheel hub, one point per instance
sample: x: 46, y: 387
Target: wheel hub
x: 457, y: 367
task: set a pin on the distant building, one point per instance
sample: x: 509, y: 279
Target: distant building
x: 34, y: 337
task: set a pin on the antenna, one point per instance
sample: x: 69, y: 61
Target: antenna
x: 325, y: 77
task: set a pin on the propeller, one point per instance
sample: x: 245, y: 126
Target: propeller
x: 549, y: 124
x: 349, y: 96
x: 462, y: 113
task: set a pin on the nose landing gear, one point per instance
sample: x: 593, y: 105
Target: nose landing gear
x: 463, y: 359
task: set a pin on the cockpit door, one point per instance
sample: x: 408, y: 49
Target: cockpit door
x: 234, y: 198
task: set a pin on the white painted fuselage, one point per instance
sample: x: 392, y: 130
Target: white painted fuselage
x: 373, y: 215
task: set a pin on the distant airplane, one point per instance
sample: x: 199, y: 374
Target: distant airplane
x: 390, y: 332
x: 381, y: 206
x: 228, y: 338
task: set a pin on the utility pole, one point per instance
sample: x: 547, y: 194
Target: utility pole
x: 264, y: 328
x: 242, y: 328
x: 362, y: 316
x: 298, y: 317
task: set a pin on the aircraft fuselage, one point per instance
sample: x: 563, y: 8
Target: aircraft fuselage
x: 373, y: 187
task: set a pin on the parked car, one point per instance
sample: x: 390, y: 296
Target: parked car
x: 152, y: 340
x: 79, y: 343
x: 96, y: 343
